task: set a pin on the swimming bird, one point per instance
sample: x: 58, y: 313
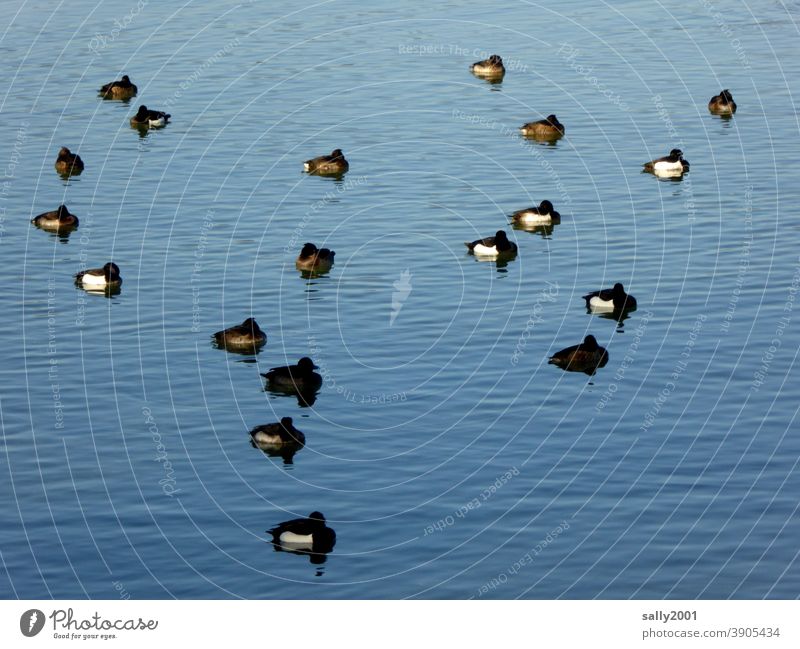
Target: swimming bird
x: 122, y: 89
x: 106, y: 277
x: 277, y: 435
x: 491, y: 68
x: 246, y: 336
x: 300, y: 377
x: 59, y: 220
x: 304, y: 535
x: 68, y: 163
x: 327, y: 165
x: 545, y: 129
x: 542, y: 215
x: 314, y: 259
x: 722, y: 104
x: 586, y: 357
x: 149, y: 118
x: 610, y: 299
x: 670, y: 165
x: 493, y: 246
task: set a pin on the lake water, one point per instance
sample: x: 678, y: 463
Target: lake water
x: 450, y: 458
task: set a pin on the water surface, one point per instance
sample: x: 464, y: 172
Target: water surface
x: 450, y: 458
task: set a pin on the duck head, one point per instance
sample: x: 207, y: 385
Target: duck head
x: 317, y: 518
x: 306, y: 365
x: 590, y: 343
x: 251, y: 324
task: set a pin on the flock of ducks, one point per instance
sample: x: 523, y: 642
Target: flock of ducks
x: 311, y: 535
x: 587, y: 356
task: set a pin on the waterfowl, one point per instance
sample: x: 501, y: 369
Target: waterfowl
x: 68, y: 163
x: 722, y: 104
x: 277, y: 435
x: 122, y: 89
x: 542, y: 215
x: 546, y: 128
x: 58, y: 220
x: 491, y: 68
x: 304, y: 535
x: 149, y: 118
x: 493, y: 246
x: 314, y: 259
x: 100, y: 278
x: 300, y: 377
x: 247, y: 335
x: 585, y: 357
x: 333, y: 164
x: 610, y: 299
x: 670, y: 165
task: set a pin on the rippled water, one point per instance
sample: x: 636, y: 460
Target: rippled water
x: 450, y: 458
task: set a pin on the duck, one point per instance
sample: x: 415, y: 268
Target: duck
x: 277, y: 435
x: 722, y: 104
x: 491, y: 68
x: 493, y: 246
x: 122, y: 89
x: 610, y: 299
x: 546, y: 128
x: 246, y: 335
x: 149, y: 118
x: 585, y: 357
x: 304, y: 535
x: 670, y: 165
x: 68, y: 163
x: 314, y: 259
x: 100, y: 278
x: 300, y: 377
x: 542, y: 215
x: 58, y: 220
x: 333, y: 164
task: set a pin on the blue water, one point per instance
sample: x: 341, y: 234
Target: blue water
x: 450, y: 458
